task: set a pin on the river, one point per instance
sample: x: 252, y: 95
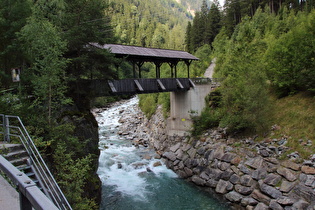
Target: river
x: 132, y: 182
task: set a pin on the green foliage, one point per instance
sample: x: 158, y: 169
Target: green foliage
x: 245, y: 103
x: 13, y: 15
x: 209, y: 118
x: 198, y: 69
x: 149, y: 24
x: 69, y: 169
x: 164, y: 99
x: 206, y: 25
x: 291, y: 57
x: 148, y: 104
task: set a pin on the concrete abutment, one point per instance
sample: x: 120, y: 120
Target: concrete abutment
x: 184, y: 105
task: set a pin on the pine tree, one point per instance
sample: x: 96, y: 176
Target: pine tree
x: 84, y: 22
x: 188, y: 37
x: 213, y: 25
x: 44, y: 49
x: 13, y: 16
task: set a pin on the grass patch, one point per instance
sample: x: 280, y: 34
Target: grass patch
x: 296, y: 117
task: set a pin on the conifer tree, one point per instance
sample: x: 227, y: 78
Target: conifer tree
x: 213, y: 25
x: 13, y: 16
x: 188, y: 37
x: 44, y: 48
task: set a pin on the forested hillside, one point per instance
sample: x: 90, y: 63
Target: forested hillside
x: 265, y: 57
x: 151, y: 23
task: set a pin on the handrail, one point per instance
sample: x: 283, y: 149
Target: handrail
x: 42, y: 173
x: 27, y: 188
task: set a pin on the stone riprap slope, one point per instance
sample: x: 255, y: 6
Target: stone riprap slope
x: 246, y: 173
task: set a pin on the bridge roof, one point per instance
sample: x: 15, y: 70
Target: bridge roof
x: 146, y: 54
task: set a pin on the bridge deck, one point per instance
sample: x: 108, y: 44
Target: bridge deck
x: 135, y: 86
x: 139, y: 86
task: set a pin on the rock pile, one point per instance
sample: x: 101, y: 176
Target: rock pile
x: 244, y: 172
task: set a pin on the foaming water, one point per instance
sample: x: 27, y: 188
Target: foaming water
x: 131, y: 182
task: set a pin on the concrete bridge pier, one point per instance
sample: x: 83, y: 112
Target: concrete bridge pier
x: 184, y: 105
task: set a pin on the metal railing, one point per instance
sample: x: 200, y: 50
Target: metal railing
x: 30, y: 194
x: 203, y: 81
x: 42, y: 173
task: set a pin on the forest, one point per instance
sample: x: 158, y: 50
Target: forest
x: 264, y: 50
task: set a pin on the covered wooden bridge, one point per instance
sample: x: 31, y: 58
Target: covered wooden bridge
x: 138, y: 56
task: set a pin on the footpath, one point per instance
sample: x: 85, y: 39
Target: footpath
x: 9, y: 197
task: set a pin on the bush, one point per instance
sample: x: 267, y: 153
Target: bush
x: 148, y: 104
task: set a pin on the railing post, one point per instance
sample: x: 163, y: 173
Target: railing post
x: 6, y: 128
x: 25, y: 204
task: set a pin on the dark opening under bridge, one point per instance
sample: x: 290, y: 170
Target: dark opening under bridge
x: 137, y: 56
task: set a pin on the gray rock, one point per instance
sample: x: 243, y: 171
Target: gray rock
x: 244, y: 169
x: 255, y: 162
x: 305, y: 192
x: 201, y: 150
x: 259, y: 173
x: 256, y: 194
x: 263, y: 152
x: 274, y: 205
x: 226, y: 175
x: 287, y: 186
x: 192, y: 152
x: 285, y: 201
x: 195, y: 162
x: 234, y: 179
x: 291, y: 165
x: 287, y: 173
x: 235, y: 170
x: 301, y: 204
x: 271, y: 191
x: 198, y: 181
x: 218, y: 153
x: 243, y: 190
x: 271, y: 168
x: 223, y: 165
x: 272, y: 179
x: 227, y: 157
x: 246, y: 180
x: 212, y: 183
x: 233, y: 196
x: 179, y: 154
x: 215, y: 173
x: 182, y: 174
x: 186, y: 147
x: 222, y: 186
x: 204, y: 175
x: 249, y: 201
x: 188, y: 172
x: 209, y: 155
x: 310, y: 179
x: 170, y: 155
x: 272, y: 160
x: 187, y: 163
x: 175, y: 147
x: 230, y: 186
x: 261, y: 206
x: 181, y: 165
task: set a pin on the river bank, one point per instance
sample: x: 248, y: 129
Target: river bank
x: 247, y: 173
x: 132, y: 178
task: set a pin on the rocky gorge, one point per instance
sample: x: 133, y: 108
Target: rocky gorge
x: 247, y: 173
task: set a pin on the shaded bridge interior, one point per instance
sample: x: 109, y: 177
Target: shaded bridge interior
x: 137, y: 56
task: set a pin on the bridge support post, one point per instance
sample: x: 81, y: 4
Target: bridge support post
x: 185, y: 105
x: 25, y: 204
x: 6, y: 128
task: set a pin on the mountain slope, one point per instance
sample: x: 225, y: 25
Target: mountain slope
x: 152, y: 23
